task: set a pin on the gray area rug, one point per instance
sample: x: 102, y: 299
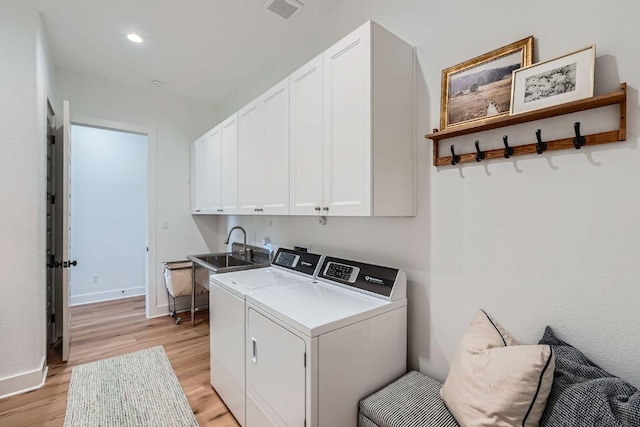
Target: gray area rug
x: 135, y: 389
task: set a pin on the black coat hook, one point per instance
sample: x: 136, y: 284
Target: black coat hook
x: 455, y: 159
x: 541, y: 147
x: 479, y: 154
x: 508, y: 151
x: 579, y: 140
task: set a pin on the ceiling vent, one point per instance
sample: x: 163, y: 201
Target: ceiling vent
x: 284, y: 8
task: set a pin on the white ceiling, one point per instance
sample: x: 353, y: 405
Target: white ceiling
x: 202, y: 49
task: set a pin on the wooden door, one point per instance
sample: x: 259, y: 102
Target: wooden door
x: 347, y: 125
x: 307, y: 139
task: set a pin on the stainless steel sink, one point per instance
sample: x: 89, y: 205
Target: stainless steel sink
x: 225, y: 262
x: 222, y: 262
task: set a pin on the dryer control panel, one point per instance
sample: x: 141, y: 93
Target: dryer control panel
x: 302, y: 262
x: 389, y: 283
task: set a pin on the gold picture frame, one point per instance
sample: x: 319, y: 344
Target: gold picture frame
x: 479, y: 90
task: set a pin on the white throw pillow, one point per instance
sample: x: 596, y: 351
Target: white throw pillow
x: 495, y: 382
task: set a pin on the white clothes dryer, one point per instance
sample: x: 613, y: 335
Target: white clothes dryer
x: 315, y: 349
x: 227, y: 318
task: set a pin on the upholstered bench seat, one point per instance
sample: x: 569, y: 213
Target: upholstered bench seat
x: 413, y: 400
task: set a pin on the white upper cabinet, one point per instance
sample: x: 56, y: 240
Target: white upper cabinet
x: 335, y: 138
x: 199, y: 202
x: 366, y: 126
x: 212, y: 171
x: 229, y: 165
x: 307, y: 140
x: 264, y: 153
x: 347, y: 126
x: 275, y: 189
x: 250, y: 157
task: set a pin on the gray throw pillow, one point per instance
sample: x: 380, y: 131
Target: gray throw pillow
x: 584, y: 394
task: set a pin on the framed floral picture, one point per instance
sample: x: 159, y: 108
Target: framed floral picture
x: 557, y: 81
x: 479, y: 89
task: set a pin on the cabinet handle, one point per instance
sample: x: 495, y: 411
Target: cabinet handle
x: 259, y: 210
x: 254, y: 347
x: 317, y: 208
x: 325, y: 208
x: 197, y: 210
x: 220, y: 210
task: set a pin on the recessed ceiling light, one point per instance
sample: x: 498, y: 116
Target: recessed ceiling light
x: 134, y: 38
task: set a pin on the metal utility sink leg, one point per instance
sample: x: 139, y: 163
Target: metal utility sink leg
x: 193, y: 295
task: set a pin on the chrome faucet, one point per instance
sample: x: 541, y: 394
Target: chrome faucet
x: 244, y: 239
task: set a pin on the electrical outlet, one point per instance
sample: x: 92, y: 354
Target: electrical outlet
x: 95, y: 278
x: 302, y: 247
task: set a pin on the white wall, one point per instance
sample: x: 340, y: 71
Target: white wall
x: 536, y: 241
x: 108, y: 214
x: 177, y: 121
x: 25, y: 82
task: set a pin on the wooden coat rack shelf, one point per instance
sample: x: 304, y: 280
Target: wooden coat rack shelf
x: 613, y: 98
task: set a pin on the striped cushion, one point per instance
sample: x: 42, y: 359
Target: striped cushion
x: 411, y: 401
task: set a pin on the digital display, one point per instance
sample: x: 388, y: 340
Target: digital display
x: 287, y: 259
x: 342, y: 272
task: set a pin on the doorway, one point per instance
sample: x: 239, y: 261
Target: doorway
x: 151, y: 302
x: 108, y: 218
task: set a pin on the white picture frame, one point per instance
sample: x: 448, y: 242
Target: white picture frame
x: 554, y: 82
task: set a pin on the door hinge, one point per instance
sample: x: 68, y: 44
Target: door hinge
x: 53, y: 199
x: 53, y: 318
x: 305, y: 360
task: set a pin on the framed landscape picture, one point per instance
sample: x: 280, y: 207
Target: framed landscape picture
x: 480, y: 88
x: 557, y: 81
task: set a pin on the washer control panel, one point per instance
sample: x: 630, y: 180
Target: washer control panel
x: 371, y: 278
x: 302, y: 262
x: 346, y: 273
x: 287, y: 259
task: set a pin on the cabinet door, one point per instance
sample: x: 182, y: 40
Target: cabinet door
x: 194, y: 186
x: 229, y: 165
x: 199, y: 180
x: 251, y: 158
x: 275, y: 190
x: 306, y: 139
x: 347, y: 136
x: 212, y: 172
x: 275, y: 370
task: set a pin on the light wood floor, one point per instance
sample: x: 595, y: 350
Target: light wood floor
x: 110, y: 329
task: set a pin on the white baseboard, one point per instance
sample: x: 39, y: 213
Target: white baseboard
x: 106, y: 296
x: 25, y: 382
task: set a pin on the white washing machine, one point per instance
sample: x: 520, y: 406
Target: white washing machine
x: 227, y: 318
x: 315, y: 349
